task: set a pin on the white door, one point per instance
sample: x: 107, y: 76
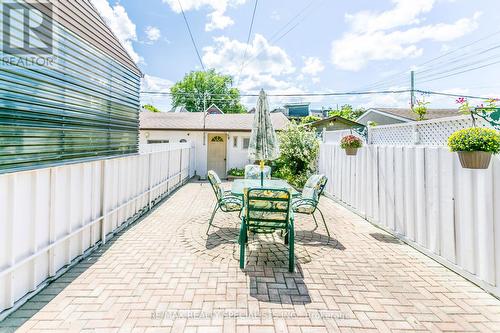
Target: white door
x: 216, y: 159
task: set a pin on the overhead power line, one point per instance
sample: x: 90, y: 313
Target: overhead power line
x: 248, y: 41
x: 345, y: 93
x: 191, y: 35
x: 462, y: 71
x: 431, y: 64
x: 304, y: 12
x: 349, y: 93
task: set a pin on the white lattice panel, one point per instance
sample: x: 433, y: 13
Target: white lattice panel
x: 392, y: 135
x: 436, y: 133
x: 428, y: 132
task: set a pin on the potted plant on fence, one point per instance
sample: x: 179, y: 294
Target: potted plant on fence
x: 350, y: 144
x: 474, y: 145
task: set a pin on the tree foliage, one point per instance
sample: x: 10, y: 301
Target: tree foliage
x: 191, y: 91
x: 299, y: 149
x: 348, y: 112
x: 309, y: 119
x: 151, y: 108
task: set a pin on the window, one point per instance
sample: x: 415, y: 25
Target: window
x: 157, y: 141
x: 235, y: 141
x: 246, y: 143
x: 182, y: 141
x: 217, y: 139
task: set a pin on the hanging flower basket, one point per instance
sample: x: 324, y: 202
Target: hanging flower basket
x: 475, y: 146
x: 351, y: 151
x: 350, y: 144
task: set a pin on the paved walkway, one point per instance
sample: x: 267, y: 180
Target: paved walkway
x: 164, y: 274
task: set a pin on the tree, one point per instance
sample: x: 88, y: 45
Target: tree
x: 299, y: 148
x: 346, y: 111
x: 199, y: 89
x: 309, y: 119
x: 151, y: 108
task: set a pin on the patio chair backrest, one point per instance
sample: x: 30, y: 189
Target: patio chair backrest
x: 267, y: 210
x: 252, y: 171
x: 215, y: 181
x: 314, y: 187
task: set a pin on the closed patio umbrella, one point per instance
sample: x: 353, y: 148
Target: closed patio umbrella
x: 263, y: 141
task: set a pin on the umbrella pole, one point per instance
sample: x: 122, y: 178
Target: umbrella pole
x: 261, y: 173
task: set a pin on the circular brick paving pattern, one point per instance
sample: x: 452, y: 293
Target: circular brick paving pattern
x: 263, y: 249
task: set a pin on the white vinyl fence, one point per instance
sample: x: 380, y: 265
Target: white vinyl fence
x: 422, y: 195
x: 51, y: 217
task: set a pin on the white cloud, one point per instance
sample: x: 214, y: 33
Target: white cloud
x: 226, y: 55
x: 152, y: 34
x: 405, y: 12
x: 372, y: 35
x: 156, y: 84
x: 275, y: 16
x: 267, y: 67
x: 312, y: 66
x: 117, y: 19
x: 217, y: 17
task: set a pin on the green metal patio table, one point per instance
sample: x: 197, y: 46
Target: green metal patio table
x: 239, y: 185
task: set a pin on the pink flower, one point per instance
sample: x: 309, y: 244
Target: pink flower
x: 461, y: 100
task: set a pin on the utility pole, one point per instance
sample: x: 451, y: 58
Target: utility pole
x: 204, y: 116
x: 412, y: 89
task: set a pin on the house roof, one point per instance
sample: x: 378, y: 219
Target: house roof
x: 193, y: 121
x: 335, y: 119
x: 214, y: 109
x: 407, y: 114
x: 296, y: 104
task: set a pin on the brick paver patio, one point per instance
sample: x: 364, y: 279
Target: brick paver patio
x: 164, y: 274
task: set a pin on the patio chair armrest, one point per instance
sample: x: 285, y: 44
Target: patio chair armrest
x: 232, y: 199
x: 301, y: 202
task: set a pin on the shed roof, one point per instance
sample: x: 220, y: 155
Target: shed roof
x: 333, y: 119
x: 214, y: 122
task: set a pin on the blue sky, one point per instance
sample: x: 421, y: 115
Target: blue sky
x: 332, y: 46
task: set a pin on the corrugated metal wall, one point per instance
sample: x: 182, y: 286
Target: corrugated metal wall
x: 82, y: 105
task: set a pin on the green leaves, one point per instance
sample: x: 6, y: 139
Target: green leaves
x: 346, y: 111
x: 475, y: 139
x: 299, y: 149
x: 209, y: 86
x: 151, y: 108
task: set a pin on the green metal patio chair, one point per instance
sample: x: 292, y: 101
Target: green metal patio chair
x: 252, y: 171
x: 266, y: 211
x: 225, y: 201
x: 308, y: 202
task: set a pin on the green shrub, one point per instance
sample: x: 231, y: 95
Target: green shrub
x: 475, y: 139
x: 420, y: 109
x: 350, y: 141
x: 236, y: 172
x: 299, y: 148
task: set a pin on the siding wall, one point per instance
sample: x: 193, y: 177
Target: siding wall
x: 83, y: 105
x: 237, y: 157
x: 421, y: 194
